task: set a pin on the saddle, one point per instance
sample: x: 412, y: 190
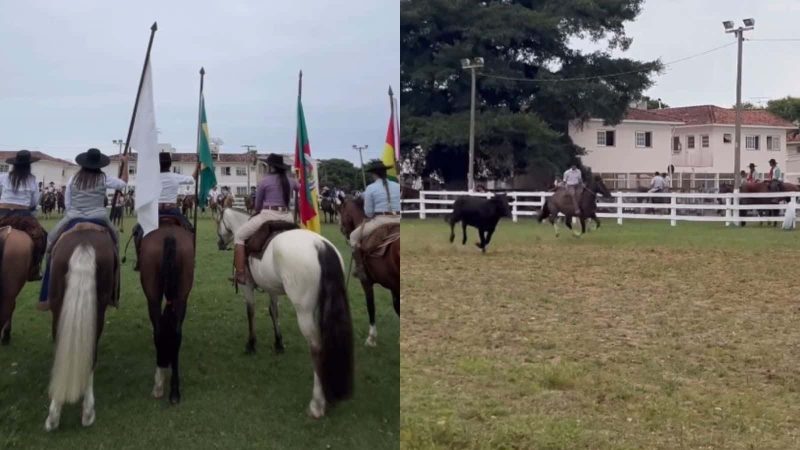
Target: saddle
x: 378, y: 241
x: 258, y: 242
x: 30, y: 226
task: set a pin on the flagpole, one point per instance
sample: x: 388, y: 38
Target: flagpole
x: 153, y: 29
x: 197, y: 168
x: 297, y: 152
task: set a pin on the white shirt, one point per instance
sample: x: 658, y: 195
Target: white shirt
x: 111, y: 183
x: 27, y: 195
x: 657, y: 183
x: 213, y: 193
x: 170, y: 185
x: 573, y: 177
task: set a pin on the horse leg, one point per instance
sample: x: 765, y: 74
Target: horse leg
x: 276, y: 325
x: 310, y: 329
x: 162, y: 362
x: 177, y: 313
x: 87, y: 412
x: 396, y: 301
x: 554, y: 221
x: 7, y: 305
x: 369, y: 294
x: 250, y: 304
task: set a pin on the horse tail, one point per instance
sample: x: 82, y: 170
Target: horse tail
x: 125, y: 253
x: 170, y: 278
x: 336, y: 327
x: 76, y: 336
x: 544, y: 212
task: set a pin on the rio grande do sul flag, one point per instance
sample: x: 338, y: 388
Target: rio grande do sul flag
x: 389, y: 154
x: 307, y: 199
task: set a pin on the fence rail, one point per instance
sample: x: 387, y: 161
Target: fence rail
x: 676, y: 206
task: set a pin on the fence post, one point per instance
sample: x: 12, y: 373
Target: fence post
x: 514, y: 207
x: 421, y: 204
x: 673, y: 212
x: 619, y: 209
x: 727, y: 211
x: 735, y: 212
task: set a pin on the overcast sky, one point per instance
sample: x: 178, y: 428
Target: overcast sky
x: 673, y: 29
x: 69, y: 72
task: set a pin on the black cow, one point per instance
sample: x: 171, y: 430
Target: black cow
x: 480, y: 213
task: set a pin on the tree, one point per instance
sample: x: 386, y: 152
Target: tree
x: 339, y: 173
x: 747, y: 106
x: 787, y: 107
x: 654, y: 103
x: 519, y: 125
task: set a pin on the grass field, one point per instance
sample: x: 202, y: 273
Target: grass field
x: 639, y: 336
x: 230, y: 400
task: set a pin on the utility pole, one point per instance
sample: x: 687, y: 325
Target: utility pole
x: 361, y: 149
x: 471, y: 65
x: 247, y: 158
x: 749, y: 24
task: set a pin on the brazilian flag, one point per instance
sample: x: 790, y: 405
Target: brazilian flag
x: 208, y: 178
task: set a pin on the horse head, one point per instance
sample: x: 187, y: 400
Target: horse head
x: 351, y: 215
x: 600, y: 187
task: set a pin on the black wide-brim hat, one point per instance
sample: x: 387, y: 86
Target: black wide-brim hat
x: 21, y: 158
x: 92, y: 159
x: 772, y: 161
x: 752, y: 165
x: 277, y: 161
x: 165, y: 158
x: 377, y: 166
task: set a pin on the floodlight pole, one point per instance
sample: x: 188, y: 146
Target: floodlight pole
x: 471, y: 65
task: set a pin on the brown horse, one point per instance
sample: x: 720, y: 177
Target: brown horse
x: 560, y: 202
x: 187, y: 204
x: 16, y: 255
x: 82, y: 284
x: 167, y: 274
x: 760, y: 187
x: 384, y: 270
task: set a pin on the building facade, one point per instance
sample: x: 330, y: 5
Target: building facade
x: 695, y: 142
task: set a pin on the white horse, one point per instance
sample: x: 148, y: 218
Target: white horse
x: 308, y: 269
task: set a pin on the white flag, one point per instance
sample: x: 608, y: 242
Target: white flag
x: 144, y: 141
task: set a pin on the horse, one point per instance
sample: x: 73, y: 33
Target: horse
x: 309, y: 270
x: 16, y: 256
x: 383, y: 270
x: 249, y: 204
x: 651, y: 200
x: 560, y: 202
x: 48, y: 202
x: 82, y: 285
x: 480, y: 213
x: 760, y: 187
x: 214, y: 207
x: 187, y: 204
x: 61, y: 204
x: 166, y: 271
x: 130, y: 203
x: 328, y: 208
x: 117, y: 211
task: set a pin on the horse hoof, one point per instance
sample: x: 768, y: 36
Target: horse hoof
x: 51, y: 424
x: 315, y: 411
x: 371, y: 342
x: 250, y: 348
x: 158, y: 392
x: 87, y: 419
x: 279, y: 349
x: 175, y: 398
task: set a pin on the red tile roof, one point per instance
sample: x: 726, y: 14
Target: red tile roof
x: 710, y: 114
x: 192, y: 157
x: 6, y: 154
x: 648, y: 115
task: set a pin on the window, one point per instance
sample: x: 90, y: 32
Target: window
x: 241, y: 171
x: 241, y: 190
x: 132, y: 169
x: 773, y: 142
x: 676, y: 144
x: 644, y: 139
x: 726, y: 138
x: 605, y: 138
x: 704, y: 140
x: 225, y: 171
x: 3, y: 168
x: 751, y: 142
x: 689, y: 141
x: 176, y: 169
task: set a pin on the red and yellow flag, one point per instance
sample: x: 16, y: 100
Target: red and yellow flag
x: 307, y: 200
x: 389, y: 157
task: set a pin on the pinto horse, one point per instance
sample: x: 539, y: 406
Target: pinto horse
x: 82, y: 285
x: 384, y: 270
x: 309, y: 270
x: 166, y: 271
x: 16, y: 255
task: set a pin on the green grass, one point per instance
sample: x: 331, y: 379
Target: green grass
x: 635, y: 336
x: 229, y: 400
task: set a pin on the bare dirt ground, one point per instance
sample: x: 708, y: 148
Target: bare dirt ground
x: 633, y: 336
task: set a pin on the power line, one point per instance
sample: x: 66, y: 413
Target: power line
x: 775, y: 39
x: 594, y: 77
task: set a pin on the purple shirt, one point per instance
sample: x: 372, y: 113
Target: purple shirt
x: 270, y: 193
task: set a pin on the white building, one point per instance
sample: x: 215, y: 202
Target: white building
x: 45, y: 170
x: 239, y: 171
x: 697, y: 140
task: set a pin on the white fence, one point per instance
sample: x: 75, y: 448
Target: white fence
x: 694, y: 207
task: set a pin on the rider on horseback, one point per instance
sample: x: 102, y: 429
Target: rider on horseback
x: 272, y: 203
x: 574, y: 181
x: 381, y: 206
x: 168, y: 200
x: 84, y: 198
x: 19, y: 195
x: 775, y: 177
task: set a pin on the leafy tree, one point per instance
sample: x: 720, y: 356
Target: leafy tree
x: 787, y: 107
x: 339, y: 173
x: 520, y: 125
x: 747, y: 106
x: 654, y: 103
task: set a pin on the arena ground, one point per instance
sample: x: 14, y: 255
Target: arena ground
x: 230, y: 400
x: 634, y: 336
